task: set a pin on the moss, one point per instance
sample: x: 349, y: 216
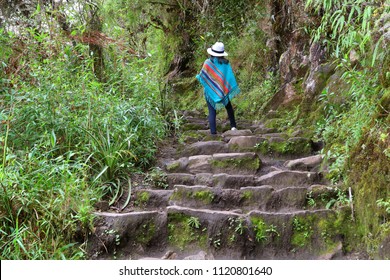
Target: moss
x: 178, y: 194
x: 243, y: 163
x: 173, y: 166
x: 369, y: 178
x: 184, y: 230
x: 259, y: 228
x: 204, y: 196
x: 247, y: 195
x: 146, y: 233
x: 290, y: 147
x: 142, y: 198
x: 190, y: 136
x: 302, y: 231
x: 274, y: 123
x: 210, y: 137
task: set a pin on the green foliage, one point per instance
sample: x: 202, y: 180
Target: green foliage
x: 184, y: 230
x: 385, y: 204
x: 343, y: 123
x: 346, y: 24
x: 157, y: 178
x: 252, y: 102
x: 204, y: 196
x: 263, y: 232
x: 302, y: 232
x: 67, y: 139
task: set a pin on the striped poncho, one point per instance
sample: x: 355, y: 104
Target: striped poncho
x: 219, y: 83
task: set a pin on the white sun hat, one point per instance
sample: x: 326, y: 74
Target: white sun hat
x: 218, y: 49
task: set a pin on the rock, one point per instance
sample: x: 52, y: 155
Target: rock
x: 334, y: 253
x: 317, y: 79
x: 280, y: 179
x: 276, y: 139
x: 233, y: 181
x: 306, y: 163
x: 299, y: 145
x: 264, y: 130
x: 287, y: 198
x: 271, y: 114
x: 238, y: 142
x: 205, y: 179
x: 205, y: 148
x: 151, y: 199
x: 199, y: 164
x: 200, y: 256
x: 170, y: 255
x: 232, y: 133
x: 354, y: 58
x: 276, y: 134
x: 177, y: 165
x: 384, y: 248
x: 180, y: 179
x: 239, y: 163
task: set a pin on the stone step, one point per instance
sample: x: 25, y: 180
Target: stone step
x: 221, y: 180
x: 224, y: 234
x: 287, y: 178
x: 205, y: 148
x: 306, y: 163
x: 234, y: 163
x: 245, y: 199
x: 121, y: 235
x: 300, y: 234
x: 259, y: 234
x: 284, y: 178
x: 201, y: 143
x: 241, y: 199
x: 151, y: 199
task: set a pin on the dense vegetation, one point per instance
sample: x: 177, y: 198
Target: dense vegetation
x: 87, y: 90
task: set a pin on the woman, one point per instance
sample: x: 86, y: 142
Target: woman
x: 219, y: 84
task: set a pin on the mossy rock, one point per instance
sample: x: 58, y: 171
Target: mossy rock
x: 185, y: 231
x: 192, y: 196
x: 146, y: 233
x: 175, y: 166
x: 293, y: 146
x: 242, y: 164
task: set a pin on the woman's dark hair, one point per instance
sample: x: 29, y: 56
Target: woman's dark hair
x: 221, y: 60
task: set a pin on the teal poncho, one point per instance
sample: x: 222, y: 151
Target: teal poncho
x: 219, y: 83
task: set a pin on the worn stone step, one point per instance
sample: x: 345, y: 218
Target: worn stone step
x: 259, y: 234
x: 220, y: 180
x: 306, y: 163
x: 245, y: 143
x: 201, y: 197
x: 204, y: 148
x: 277, y: 145
x: 122, y: 235
x: 287, y: 178
x: 223, y: 234
x: 305, y: 234
x: 227, y: 135
x: 151, y: 199
x: 235, y: 163
x: 246, y: 199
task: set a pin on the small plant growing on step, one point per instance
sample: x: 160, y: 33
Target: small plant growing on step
x: 193, y: 222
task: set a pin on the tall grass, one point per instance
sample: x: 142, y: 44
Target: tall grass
x: 64, y: 138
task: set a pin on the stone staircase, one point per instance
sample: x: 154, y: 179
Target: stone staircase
x: 254, y: 193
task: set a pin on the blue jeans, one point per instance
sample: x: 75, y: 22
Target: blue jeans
x: 213, y: 117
